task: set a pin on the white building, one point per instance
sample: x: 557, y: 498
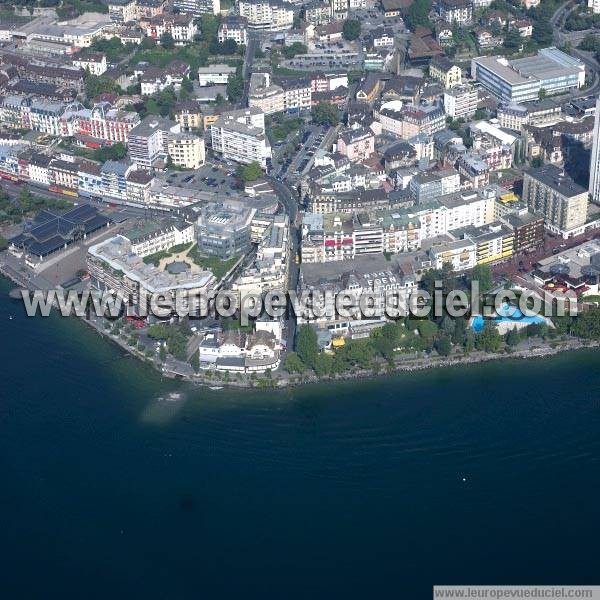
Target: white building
x: 522, y: 79
x: 198, y: 8
x: 233, y: 28
x: 217, y: 74
x: 268, y: 15
x: 186, y: 150
x: 594, y: 185
x: 272, y: 98
x: 239, y: 135
x: 93, y: 62
x: 460, y: 101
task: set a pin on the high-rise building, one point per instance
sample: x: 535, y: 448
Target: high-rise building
x: 594, y: 186
x: 550, y: 192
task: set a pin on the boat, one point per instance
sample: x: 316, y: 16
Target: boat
x: 215, y: 387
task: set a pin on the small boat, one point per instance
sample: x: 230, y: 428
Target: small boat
x: 215, y: 387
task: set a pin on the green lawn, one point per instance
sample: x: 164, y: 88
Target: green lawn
x: 218, y: 267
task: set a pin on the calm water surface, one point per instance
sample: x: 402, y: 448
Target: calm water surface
x: 113, y: 489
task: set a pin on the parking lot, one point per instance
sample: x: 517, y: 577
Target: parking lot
x: 208, y: 178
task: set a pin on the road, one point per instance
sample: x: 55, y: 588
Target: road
x: 288, y: 199
x: 253, y: 44
x: 561, y: 37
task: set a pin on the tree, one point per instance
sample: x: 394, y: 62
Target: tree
x: 3, y: 243
x: 235, y: 87
x: 537, y: 162
x: 418, y: 14
x: 482, y: 274
x: 542, y: 93
x: 195, y: 361
x: 326, y: 114
x: 294, y: 364
x: 351, y: 29
x: 307, y: 345
x: 167, y: 41
x: 148, y: 43
x: 99, y: 84
x: 443, y: 346
x: 250, y: 172
x: 513, y: 338
x: 542, y: 32
x: 115, y: 152
x: 488, y: 339
x: 294, y: 49
x: 209, y: 25
x: 323, y: 364
x: 513, y: 40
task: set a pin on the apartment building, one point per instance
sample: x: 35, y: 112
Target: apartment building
x: 122, y: 11
x: 445, y: 71
x: 239, y: 135
x: 233, y: 28
x: 188, y: 114
x: 186, y: 150
x: 267, y: 15
x: 103, y: 122
x: 92, y: 62
x: 149, y: 236
x: 197, y: 8
x: 456, y: 11
x: 147, y: 141
x: 182, y: 28
x: 551, y: 193
x: 433, y: 184
x: 356, y: 144
x: 460, y: 102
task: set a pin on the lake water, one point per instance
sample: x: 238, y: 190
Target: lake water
x: 117, y: 484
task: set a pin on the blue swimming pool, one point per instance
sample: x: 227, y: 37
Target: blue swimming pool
x: 510, y: 314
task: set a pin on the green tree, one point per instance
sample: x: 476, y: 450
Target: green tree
x: 294, y: 49
x: 3, y: 243
x: 482, y: 274
x: 293, y: 363
x: 325, y: 114
x: 235, y: 87
x: 351, y: 29
x: 307, y: 345
x: 99, y: 84
x: 443, y: 346
x: 488, y: 339
x: 250, y: 172
x: 195, y: 361
x: 323, y: 364
x: 513, y: 39
x: 418, y: 14
x: 513, y: 338
x: 209, y: 25
x: 167, y: 41
x: 458, y: 336
x: 543, y: 32
x: 542, y: 93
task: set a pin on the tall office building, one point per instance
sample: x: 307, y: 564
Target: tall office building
x: 594, y: 186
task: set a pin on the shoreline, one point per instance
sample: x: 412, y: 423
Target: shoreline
x: 297, y: 380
